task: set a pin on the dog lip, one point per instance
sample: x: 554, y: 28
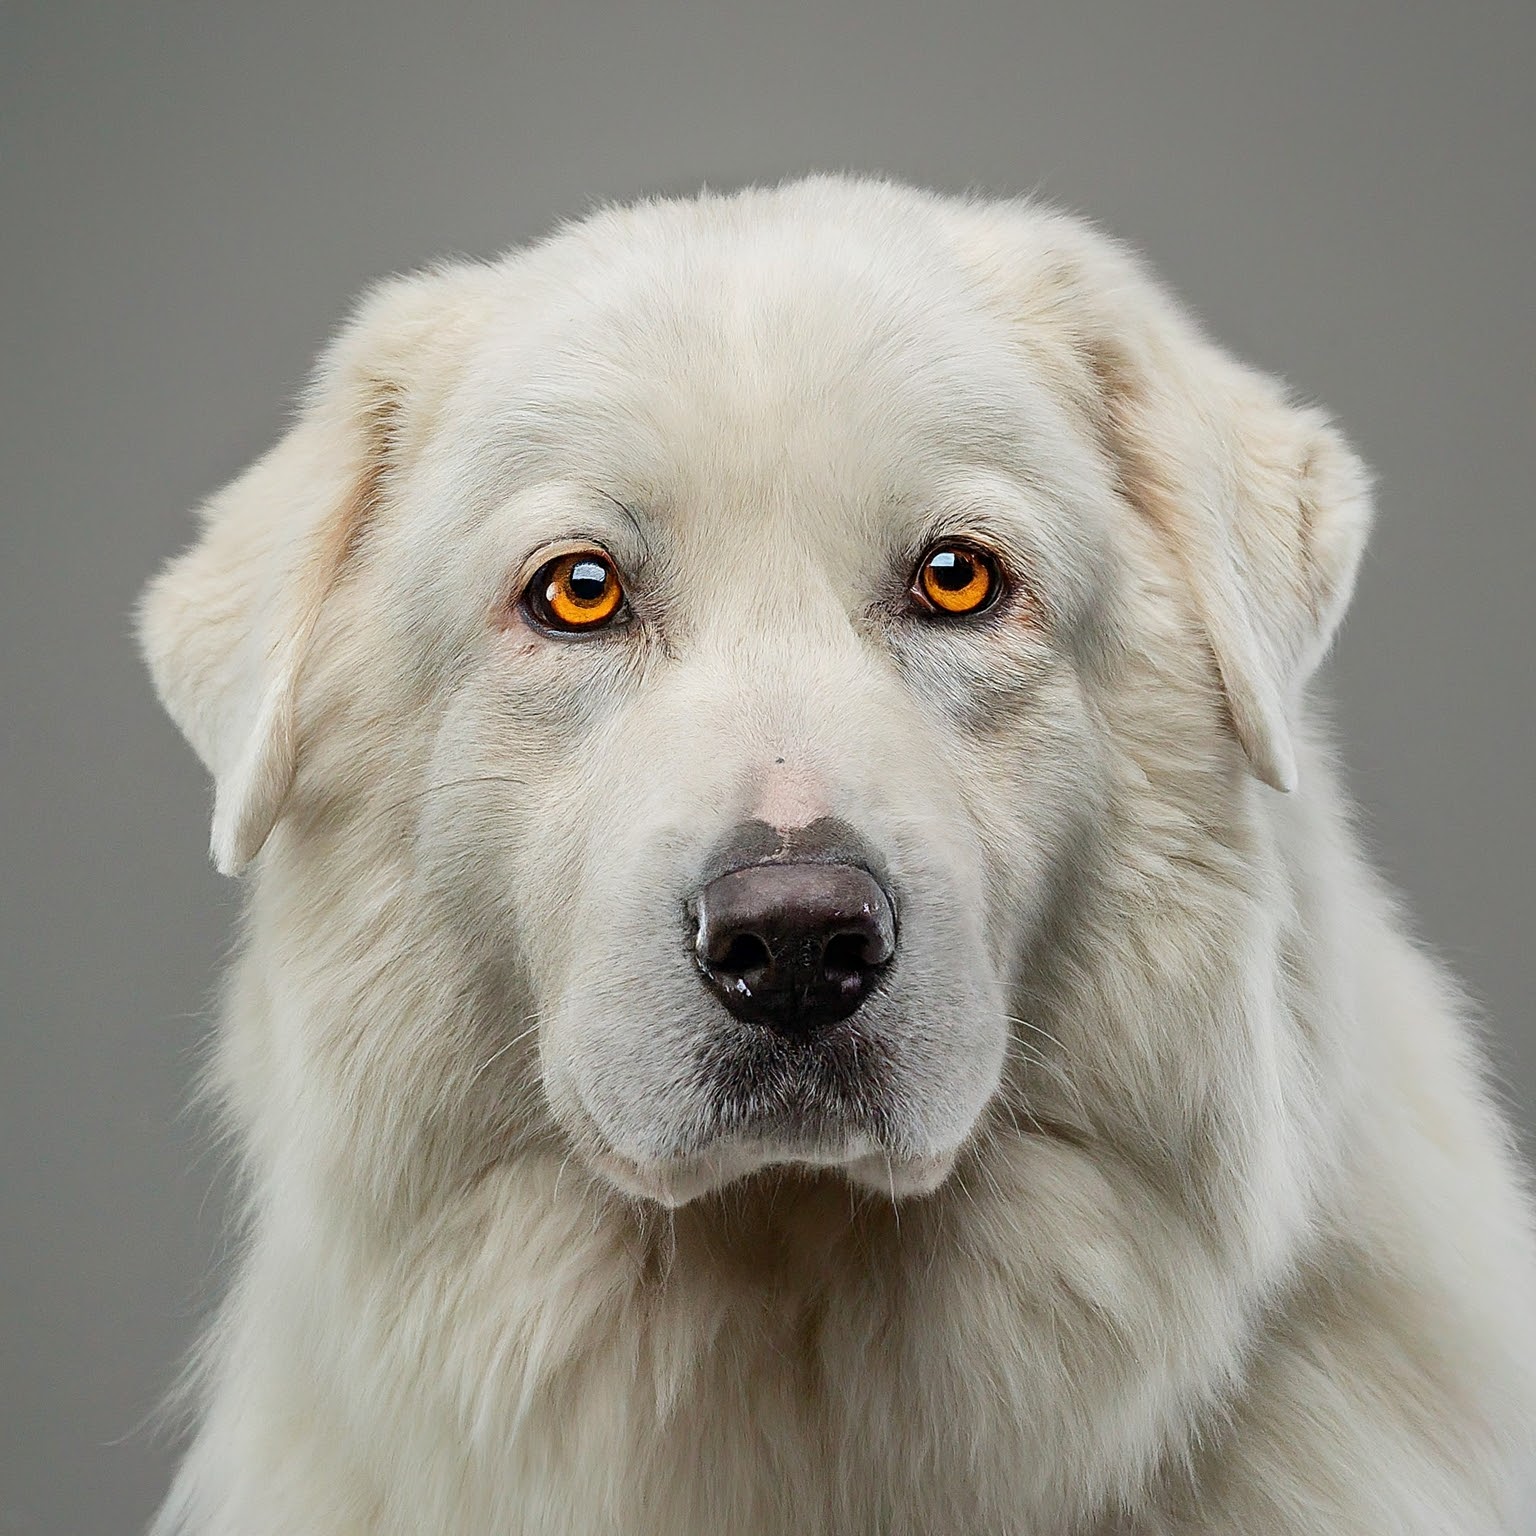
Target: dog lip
x: 682, y: 1173
x: 674, y: 1182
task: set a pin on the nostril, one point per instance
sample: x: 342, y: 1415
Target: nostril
x: 745, y: 953
x: 848, y: 954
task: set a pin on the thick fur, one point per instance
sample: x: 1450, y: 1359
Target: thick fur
x: 1187, y: 1208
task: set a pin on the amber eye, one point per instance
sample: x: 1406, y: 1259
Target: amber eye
x: 575, y: 593
x: 956, y: 580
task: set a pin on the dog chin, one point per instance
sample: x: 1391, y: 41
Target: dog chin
x: 674, y: 1182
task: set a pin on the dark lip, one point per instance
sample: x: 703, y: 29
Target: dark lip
x: 765, y: 1086
x: 789, y: 1131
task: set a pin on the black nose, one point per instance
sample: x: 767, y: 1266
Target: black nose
x: 794, y: 946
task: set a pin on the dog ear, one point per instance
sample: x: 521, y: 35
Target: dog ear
x: 1264, y: 502
x: 225, y: 625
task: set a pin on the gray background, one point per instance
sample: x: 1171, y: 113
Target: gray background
x: 193, y: 194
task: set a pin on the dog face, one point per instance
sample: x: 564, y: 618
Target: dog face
x: 725, y: 623
x: 769, y: 833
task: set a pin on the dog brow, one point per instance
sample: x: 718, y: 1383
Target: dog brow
x: 628, y: 512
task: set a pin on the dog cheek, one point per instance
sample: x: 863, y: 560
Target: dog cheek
x: 623, y: 1040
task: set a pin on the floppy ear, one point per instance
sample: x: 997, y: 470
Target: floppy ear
x: 225, y: 626
x: 1264, y: 502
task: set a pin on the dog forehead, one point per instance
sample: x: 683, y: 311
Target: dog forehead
x: 709, y: 365
x: 771, y: 395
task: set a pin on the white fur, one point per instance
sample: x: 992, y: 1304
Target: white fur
x: 1191, y: 1213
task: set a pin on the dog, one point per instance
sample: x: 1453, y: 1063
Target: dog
x: 805, y: 965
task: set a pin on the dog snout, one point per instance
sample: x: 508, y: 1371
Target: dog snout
x: 793, y: 946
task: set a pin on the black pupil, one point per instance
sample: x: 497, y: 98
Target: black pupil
x: 589, y: 581
x: 952, y: 570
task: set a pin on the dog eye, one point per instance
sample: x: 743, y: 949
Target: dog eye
x: 956, y: 581
x: 575, y: 593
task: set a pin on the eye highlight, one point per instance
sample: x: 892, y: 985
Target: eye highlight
x: 956, y: 581
x: 575, y: 593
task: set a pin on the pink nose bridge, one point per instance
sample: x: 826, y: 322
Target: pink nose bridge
x: 790, y: 796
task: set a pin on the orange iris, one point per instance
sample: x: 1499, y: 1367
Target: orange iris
x: 955, y: 580
x: 576, y: 592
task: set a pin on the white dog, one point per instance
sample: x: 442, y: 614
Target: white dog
x: 782, y: 990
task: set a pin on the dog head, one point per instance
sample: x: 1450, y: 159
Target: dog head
x: 689, y: 667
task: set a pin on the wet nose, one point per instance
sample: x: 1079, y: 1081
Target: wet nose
x: 794, y: 947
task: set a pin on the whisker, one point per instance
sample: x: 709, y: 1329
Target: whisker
x: 422, y: 791
x: 501, y: 1051
x: 1053, y: 1067
x: 1045, y: 1034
